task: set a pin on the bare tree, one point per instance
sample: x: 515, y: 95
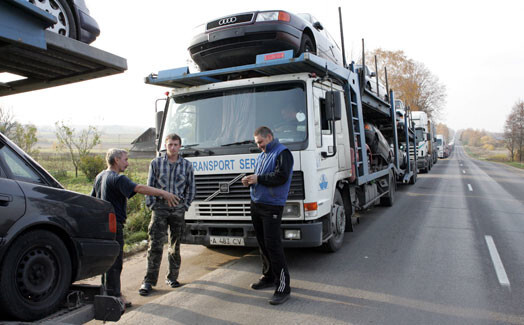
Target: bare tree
x: 514, y: 131
x: 7, y: 122
x: 412, y: 81
x: 77, y: 144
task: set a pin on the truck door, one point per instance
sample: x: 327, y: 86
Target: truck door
x: 326, y: 166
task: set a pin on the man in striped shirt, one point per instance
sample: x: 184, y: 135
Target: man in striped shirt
x: 172, y: 173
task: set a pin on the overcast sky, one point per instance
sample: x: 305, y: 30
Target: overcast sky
x: 473, y: 47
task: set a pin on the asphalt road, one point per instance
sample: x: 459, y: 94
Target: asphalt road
x: 450, y: 251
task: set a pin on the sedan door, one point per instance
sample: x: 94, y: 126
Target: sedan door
x: 12, y: 199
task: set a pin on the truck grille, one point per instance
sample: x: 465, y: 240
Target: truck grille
x: 223, y: 210
x: 206, y: 185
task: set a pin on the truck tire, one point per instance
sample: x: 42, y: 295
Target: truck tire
x: 389, y: 199
x: 36, y: 274
x: 413, y: 178
x: 337, y: 224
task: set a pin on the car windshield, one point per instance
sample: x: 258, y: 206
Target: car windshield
x: 439, y: 142
x: 228, y: 118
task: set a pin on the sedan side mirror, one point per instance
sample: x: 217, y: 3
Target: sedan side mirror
x: 318, y: 25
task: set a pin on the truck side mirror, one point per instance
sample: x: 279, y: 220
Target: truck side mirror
x: 158, y: 122
x: 333, y: 106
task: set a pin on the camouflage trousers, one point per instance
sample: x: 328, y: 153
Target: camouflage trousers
x: 161, y: 221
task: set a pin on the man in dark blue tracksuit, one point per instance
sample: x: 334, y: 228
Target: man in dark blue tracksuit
x: 269, y: 190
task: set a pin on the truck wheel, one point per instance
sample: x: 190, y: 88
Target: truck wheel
x: 389, y: 198
x: 413, y: 178
x: 36, y: 274
x: 337, y: 220
x: 60, y: 10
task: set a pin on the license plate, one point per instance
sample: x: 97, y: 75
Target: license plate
x: 227, y: 241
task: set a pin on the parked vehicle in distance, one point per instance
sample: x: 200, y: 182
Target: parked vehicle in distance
x: 236, y: 39
x: 371, y: 83
x: 49, y: 236
x: 74, y: 20
x: 443, y: 152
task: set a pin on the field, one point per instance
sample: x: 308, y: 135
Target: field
x: 499, y: 155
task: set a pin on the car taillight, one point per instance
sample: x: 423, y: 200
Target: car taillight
x: 273, y: 15
x: 112, y: 223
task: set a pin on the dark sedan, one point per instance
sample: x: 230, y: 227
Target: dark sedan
x: 237, y: 39
x: 73, y: 19
x: 49, y: 237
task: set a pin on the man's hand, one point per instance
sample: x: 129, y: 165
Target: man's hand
x: 249, y: 180
x: 172, y: 199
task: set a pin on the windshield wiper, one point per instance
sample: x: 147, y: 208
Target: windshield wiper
x: 239, y: 142
x: 187, y: 151
x: 187, y: 146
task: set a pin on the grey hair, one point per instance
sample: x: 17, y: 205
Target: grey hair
x: 263, y: 131
x: 112, y: 154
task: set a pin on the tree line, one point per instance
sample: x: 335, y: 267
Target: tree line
x: 514, y: 131
x: 78, y: 144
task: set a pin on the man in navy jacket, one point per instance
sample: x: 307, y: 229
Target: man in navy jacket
x: 269, y: 187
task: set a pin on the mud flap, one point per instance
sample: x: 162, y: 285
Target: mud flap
x: 108, y: 308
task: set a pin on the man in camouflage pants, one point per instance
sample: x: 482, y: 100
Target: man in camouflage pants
x: 174, y: 174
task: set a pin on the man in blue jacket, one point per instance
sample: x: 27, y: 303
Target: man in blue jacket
x: 269, y: 187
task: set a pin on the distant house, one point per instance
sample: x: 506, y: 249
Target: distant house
x: 144, y: 145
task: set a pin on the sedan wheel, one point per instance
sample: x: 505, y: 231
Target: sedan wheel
x: 61, y: 11
x: 36, y: 274
x: 306, y: 45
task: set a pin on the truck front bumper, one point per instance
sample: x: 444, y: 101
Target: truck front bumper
x: 200, y: 233
x: 422, y: 163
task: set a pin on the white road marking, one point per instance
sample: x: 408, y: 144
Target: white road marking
x: 497, y: 262
x: 470, y: 188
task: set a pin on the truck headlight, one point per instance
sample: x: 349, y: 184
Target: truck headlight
x: 291, y: 210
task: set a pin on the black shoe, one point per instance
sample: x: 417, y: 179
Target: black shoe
x: 145, y: 289
x: 126, y: 302
x: 173, y: 284
x: 279, y: 298
x: 263, y: 283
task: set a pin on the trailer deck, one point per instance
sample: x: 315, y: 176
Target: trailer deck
x: 42, y: 58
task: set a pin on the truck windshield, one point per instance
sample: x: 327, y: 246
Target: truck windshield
x: 439, y: 142
x: 228, y: 118
x: 420, y: 135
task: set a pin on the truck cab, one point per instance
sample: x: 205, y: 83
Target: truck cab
x: 441, y: 146
x: 316, y: 109
x: 423, y: 134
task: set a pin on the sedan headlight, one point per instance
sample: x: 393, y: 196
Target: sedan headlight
x: 272, y: 16
x: 200, y: 29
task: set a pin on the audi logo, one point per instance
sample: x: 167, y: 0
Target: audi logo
x: 227, y: 21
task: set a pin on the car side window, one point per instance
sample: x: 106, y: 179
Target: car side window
x: 17, y: 167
